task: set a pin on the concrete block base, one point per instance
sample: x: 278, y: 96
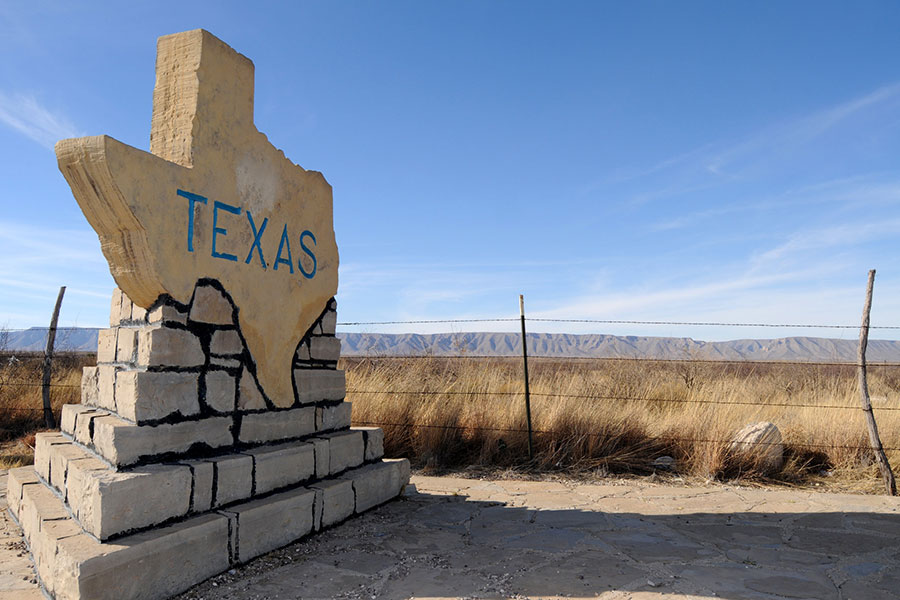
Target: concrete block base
x: 168, y: 560
x: 177, y: 466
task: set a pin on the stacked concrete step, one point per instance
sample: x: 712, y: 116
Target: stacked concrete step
x: 164, y: 561
x: 178, y: 464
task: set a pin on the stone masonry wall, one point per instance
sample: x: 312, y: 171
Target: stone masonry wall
x: 176, y: 465
x: 172, y: 414
x: 177, y: 364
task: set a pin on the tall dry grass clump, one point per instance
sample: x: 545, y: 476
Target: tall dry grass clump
x: 588, y: 415
x: 21, y: 404
x: 622, y: 415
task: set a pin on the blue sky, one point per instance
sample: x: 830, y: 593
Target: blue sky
x: 640, y: 160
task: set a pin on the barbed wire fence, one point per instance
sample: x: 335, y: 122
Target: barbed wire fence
x: 861, y: 364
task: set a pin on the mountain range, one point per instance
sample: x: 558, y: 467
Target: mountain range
x: 539, y: 344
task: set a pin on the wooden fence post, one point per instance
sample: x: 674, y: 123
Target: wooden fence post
x: 890, y: 485
x: 49, y: 420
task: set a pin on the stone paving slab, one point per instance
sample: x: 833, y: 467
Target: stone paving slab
x: 454, y: 537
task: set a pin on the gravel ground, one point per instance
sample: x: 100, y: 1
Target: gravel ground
x: 450, y: 537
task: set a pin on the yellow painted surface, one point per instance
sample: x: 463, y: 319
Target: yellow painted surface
x: 204, y: 142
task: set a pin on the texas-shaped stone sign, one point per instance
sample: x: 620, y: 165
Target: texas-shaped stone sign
x: 213, y: 199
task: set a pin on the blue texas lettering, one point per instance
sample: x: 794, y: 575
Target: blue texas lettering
x: 282, y: 257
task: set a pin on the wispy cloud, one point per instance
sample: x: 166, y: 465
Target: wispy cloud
x: 850, y: 234
x: 37, y: 260
x: 848, y: 194
x: 780, y: 147
x: 779, y: 139
x: 23, y: 113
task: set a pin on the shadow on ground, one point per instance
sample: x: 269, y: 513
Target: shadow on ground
x: 506, y: 539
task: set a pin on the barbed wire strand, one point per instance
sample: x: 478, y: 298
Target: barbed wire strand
x: 707, y: 323
x: 627, y: 398
x: 616, y: 322
x: 547, y: 320
x: 659, y: 439
x: 33, y: 384
x: 806, y: 363
x: 543, y: 394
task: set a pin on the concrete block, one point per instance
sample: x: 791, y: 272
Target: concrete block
x: 225, y: 341
x: 330, y: 418
x: 249, y: 396
x: 74, y: 468
x: 153, y: 565
x: 324, y: 348
x: 220, y: 391
x: 90, y: 386
x: 272, y: 522
x: 378, y: 483
x: 43, y: 546
x: 345, y: 450
x: 210, y: 306
x: 115, y: 307
x: 233, y: 478
x: 84, y: 426
x: 283, y: 465
x: 124, y: 444
x: 315, y: 385
x: 16, y: 480
x: 149, y: 566
x: 202, y: 473
x: 61, y: 455
x: 106, y: 387
x: 337, y: 501
x: 69, y: 415
x: 39, y: 504
x: 138, y: 313
x: 329, y: 322
x: 225, y: 362
x: 281, y: 425
x: 320, y: 446
x: 106, y: 345
x: 166, y: 313
x: 166, y: 346
x: 42, y: 443
x: 125, y: 344
x: 109, y: 503
x: 125, y: 308
x: 374, y: 439
x: 143, y: 396
x: 402, y: 466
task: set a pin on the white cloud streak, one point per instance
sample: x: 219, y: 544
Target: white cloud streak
x: 774, y: 141
x: 37, y: 260
x: 851, y: 234
x: 24, y: 114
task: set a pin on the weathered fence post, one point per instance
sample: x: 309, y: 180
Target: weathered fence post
x: 890, y: 485
x: 49, y: 420
x: 527, y: 391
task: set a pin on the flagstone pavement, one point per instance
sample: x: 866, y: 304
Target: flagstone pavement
x: 451, y: 537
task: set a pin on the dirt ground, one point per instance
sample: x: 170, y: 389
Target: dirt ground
x: 468, y: 538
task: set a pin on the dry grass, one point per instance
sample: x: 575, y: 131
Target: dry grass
x: 646, y: 410
x: 454, y: 413
x: 21, y: 414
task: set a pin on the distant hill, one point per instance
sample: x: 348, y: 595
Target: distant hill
x: 71, y: 339
x: 539, y: 344
x: 609, y: 346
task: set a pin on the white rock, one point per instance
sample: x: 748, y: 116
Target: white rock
x: 763, y: 441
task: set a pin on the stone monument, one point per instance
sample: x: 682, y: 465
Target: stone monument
x: 213, y: 428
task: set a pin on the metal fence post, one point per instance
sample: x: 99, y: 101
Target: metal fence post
x: 525, y: 363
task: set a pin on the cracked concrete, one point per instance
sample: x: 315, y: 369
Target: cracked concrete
x: 469, y: 538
